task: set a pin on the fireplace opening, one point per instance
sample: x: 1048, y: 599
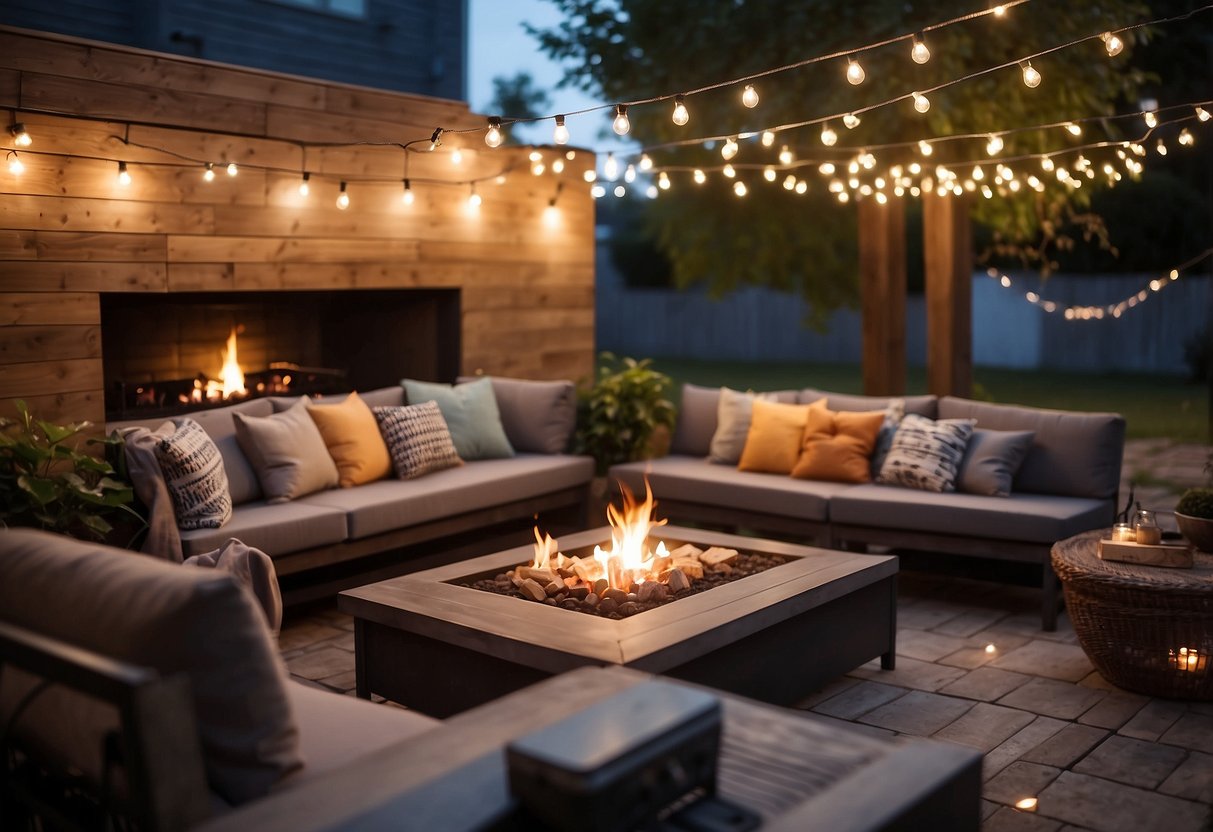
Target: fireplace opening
x: 167, y: 354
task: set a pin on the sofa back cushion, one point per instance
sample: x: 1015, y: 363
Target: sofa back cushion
x: 159, y: 615
x: 921, y: 405
x: 538, y: 416
x: 471, y: 414
x: 698, y: 418
x: 1072, y: 454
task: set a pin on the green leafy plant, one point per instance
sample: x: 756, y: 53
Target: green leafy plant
x: 618, y: 416
x: 47, y: 482
x: 1196, y: 502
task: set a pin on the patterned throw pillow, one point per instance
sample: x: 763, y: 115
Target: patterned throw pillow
x: 197, y: 482
x: 893, y: 414
x: 926, y: 454
x: 417, y: 438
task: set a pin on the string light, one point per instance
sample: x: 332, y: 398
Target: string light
x: 21, y: 136
x: 699, y: 176
x: 739, y: 188
x: 494, y: 136
x: 208, y: 174
x: 768, y: 138
x: 826, y: 169
x: 590, y: 175
x: 1150, y: 119
x: 473, y: 197
x: 560, y: 134
x: 456, y: 157
x: 828, y: 137
x: 1073, y: 129
x: 920, y: 54
x: 1112, y: 43
x: 851, y: 121
x: 124, y: 176
x: 1000, y: 10
x: 436, y: 139
x: 729, y: 149
x: 621, y: 125
x: 620, y: 191
x: 663, y: 181
x: 610, y: 168
x: 768, y: 173
x: 646, y: 162
x: 1031, y: 76
x: 786, y: 157
x: 995, y: 145
x: 749, y: 96
x: 15, y: 166
x: 629, y: 174
x: 921, y: 102
x: 343, y: 198
x: 1185, y: 138
x: 232, y: 170
x: 925, y: 148
x: 728, y: 171
x: 1161, y: 148
x: 680, y: 115
x: 1202, y: 114
x: 304, y: 187
x: 855, y: 73
x: 407, y: 196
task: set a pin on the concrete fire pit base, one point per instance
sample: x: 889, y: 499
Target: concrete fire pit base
x: 776, y: 636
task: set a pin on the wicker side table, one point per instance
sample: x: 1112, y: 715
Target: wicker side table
x: 1145, y: 628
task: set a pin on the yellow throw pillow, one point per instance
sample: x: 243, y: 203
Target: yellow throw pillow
x: 837, y: 447
x: 352, y: 436
x: 773, y: 443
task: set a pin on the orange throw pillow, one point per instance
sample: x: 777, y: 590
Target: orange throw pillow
x: 773, y: 443
x: 837, y: 447
x: 352, y: 436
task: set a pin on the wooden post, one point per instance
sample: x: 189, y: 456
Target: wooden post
x: 882, y: 290
x: 948, y: 255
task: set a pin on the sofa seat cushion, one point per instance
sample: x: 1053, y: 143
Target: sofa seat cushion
x: 336, y: 730
x: 276, y: 529
x: 695, y: 480
x: 1030, y: 518
x: 387, y: 505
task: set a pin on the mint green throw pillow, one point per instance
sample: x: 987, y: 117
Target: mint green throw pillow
x: 471, y: 414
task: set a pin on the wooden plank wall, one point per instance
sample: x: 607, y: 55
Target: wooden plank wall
x: 69, y: 231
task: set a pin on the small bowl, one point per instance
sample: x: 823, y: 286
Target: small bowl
x: 1198, y: 531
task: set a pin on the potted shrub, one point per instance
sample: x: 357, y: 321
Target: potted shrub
x: 48, y: 482
x: 1194, y: 513
x: 620, y: 415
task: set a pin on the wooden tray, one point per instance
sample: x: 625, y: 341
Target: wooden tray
x: 1160, y: 554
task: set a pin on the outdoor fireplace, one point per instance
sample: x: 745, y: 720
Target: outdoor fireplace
x: 165, y: 354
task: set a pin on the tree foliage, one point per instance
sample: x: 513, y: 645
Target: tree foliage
x: 517, y: 96
x: 622, y: 50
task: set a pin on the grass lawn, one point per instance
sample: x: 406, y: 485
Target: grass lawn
x: 1155, y: 406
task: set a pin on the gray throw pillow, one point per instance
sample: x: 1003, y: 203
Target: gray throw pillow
x: 470, y: 411
x: 287, y: 452
x: 733, y: 412
x: 417, y: 438
x: 538, y: 416
x: 992, y: 460
x: 194, y: 475
x: 926, y: 454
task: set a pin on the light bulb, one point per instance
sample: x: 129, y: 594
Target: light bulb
x: 828, y: 136
x: 768, y: 173
x: 728, y: 171
x: 827, y: 169
x: 1161, y: 148
x: 124, y: 176
x: 435, y: 139
x: 699, y: 176
x: 920, y: 54
x: 406, y: 195
x: 232, y: 170
x: 749, y: 96
x: 680, y: 116
x: 768, y: 138
x: 343, y: 198
x: 208, y: 175
x: 729, y: 149
x: 786, y: 157
x: 924, y: 147
x: 1073, y: 129
x: 663, y: 181
x: 621, y: 125
x: 473, y: 198
x: 978, y: 173
x: 610, y: 168
x: 598, y: 192
x: 646, y: 163
x: 802, y: 186
x: 15, y: 166
x: 558, y: 165
x: 855, y: 73
x: 560, y: 134
x: 629, y: 174
x: 304, y: 187
x: 1202, y: 114
x: 1113, y: 44
x: 590, y: 175
x: 1185, y: 138
x: 739, y: 188
x: 494, y: 136
x: 1151, y: 120
x: 620, y: 191
x: 1000, y: 10
x: 1031, y: 77
x: 994, y: 145
x: 21, y: 136
x: 537, y: 168
x: 851, y: 121
x: 456, y: 157
x: 921, y: 102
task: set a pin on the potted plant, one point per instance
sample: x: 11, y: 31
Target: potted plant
x: 619, y: 416
x: 48, y: 482
x: 1194, y: 512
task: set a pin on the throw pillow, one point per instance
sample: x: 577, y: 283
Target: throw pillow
x: 837, y: 447
x: 418, y: 439
x: 992, y: 460
x: 287, y: 452
x: 893, y: 414
x: 538, y: 416
x: 471, y: 414
x: 926, y: 454
x: 733, y: 413
x: 351, y: 435
x: 193, y: 472
x: 773, y: 443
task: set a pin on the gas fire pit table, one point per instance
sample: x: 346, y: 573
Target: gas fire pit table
x: 440, y: 648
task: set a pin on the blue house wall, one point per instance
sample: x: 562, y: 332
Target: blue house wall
x: 413, y: 46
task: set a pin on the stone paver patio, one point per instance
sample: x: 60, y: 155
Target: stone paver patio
x: 974, y: 668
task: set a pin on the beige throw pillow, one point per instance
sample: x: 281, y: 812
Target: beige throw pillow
x: 287, y: 452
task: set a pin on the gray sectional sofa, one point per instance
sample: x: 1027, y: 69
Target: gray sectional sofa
x: 1068, y: 483
x: 395, y: 525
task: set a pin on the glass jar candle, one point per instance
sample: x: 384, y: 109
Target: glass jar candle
x: 1145, y: 526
